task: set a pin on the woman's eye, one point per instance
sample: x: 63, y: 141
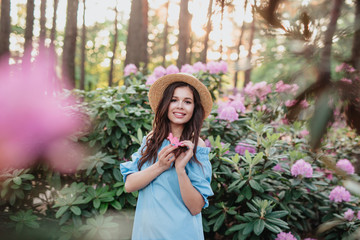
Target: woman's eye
x: 188, y: 102
x: 173, y: 100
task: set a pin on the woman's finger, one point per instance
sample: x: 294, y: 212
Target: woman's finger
x: 166, y: 150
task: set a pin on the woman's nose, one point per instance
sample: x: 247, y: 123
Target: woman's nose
x: 180, y: 104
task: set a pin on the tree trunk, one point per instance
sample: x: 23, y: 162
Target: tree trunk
x: 324, y: 66
x: 114, y: 47
x: 355, y: 56
x: 42, y: 24
x: 203, y: 54
x: 184, y: 33
x: 5, y: 27
x: 238, y: 45
x: 29, y: 30
x: 69, y: 48
x: 222, y: 2
x: 136, y: 44
x: 252, y: 33
x: 83, y: 43
x: 53, y: 28
x: 166, y: 32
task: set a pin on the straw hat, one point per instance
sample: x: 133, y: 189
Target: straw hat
x: 157, y: 90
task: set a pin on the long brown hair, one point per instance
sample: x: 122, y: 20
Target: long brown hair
x: 161, y: 125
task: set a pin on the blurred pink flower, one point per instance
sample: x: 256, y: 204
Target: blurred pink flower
x: 261, y: 108
x: 36, y: 115
x: 339, y: 194
x: 238, y: 105
x: 358, y: 215
x: 207, y: 143
x: 172, y: 69
x: 304, y: 104
x: 159, y: 72
x: 349, y: 215
x: 345, y: 164
x: 199, y: 66
x: 302, y: 168
x: 346, y: 80
x: 303, y: 133
x: 223, y: 67
x: 228, y: 113
x: 259, y: 90
x: 130, y: 68
x: 282, y: 87
x: 150, y: 80
x: 217, y: 67
x: 290, y: 103
x: 310, y: 239
x: 187, y: 68
x: 242, y: 147
x: 345, y: 67
x: 285, y: 236
x: 278, y: 168
x: 222, y: 144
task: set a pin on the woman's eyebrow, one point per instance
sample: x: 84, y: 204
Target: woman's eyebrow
x: 184, y: 98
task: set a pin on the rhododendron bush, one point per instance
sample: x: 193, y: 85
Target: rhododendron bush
x: 267, y: 180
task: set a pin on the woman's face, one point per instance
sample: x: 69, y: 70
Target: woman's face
x: 181, y: 106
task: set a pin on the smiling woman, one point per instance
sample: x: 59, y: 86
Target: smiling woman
x: 173, y: 179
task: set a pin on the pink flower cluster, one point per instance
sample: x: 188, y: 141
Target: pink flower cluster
x: 258, y: 90
x: 287, y: 88
x: 290, y: 103
x: 345, y: 67
x: 130, y: 68
x: 285, y: 236
x: 339, y: 194
x: 345, y: 164
x: 242, y: 147
x: 302, y: 168
x: 228, y: 110
x: 349, y: 215
x: 278, y: 168
x: 211, y: 67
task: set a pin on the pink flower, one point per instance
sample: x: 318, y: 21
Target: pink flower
x: 217, y: 67
x: 172, y: 69
x: 199, y: 67
x: 35, y: 116
x: 223, y: 67
x: 290, y: 103
x: 349, y: 215
x: 173, y: 140
x: 261, y: 108
x: 345, y: 164
x: 285, y: 236
x: 222, y: 144
x: 278, y: 168
x: 358, y: 215
x: 303, y: 133
x: 310, y: 239
x: 207, y: 143
x: 282, y: 87
x: 259, y: 90
x: 242, y: 147
x: 187, y: 68
x: 159, y: 72
x: 304, y: 104
x: 346, y: 80
x: 340, y: 67
x: 302, y: 168
x: 238, y: 105
x: 150, y: 80
x: 339, y: 194
x: 130, y: 68
x: 229, y: 113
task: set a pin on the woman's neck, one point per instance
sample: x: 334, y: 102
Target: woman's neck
x: 176, y: 130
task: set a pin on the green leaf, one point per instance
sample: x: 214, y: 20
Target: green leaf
x: 219, y: 222
x: 259, y: 226
x: 103, y: 208
x: 61, y: 211
x: 116, y: 205
x: 112, y: 114
x: 96, y: 203
x: 255, y: 185
x: 17, y: 180
x: 272, y: 227
x: 248, y: 228
x: 32, y: 224
x: 76, y: 210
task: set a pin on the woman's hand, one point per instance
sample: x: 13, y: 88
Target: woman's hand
x: 166, y: 157
x: 184, y: 157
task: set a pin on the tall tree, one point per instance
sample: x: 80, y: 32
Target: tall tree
x: 251, y: 39
x: 5, y: 22
x: 30, y: 5
x: 203, y: 54
x: 136, y: 44
x: 184, y: 32
x: 42, y: 23
x: 83, y: 43
x: 53, y: 28
x: 166, y: 32
x: 116, y: 36
x: 238, y: 45
x: 69, y: 48
x: 355, y: 57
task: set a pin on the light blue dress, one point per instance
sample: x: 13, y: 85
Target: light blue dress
x: 160, y: 211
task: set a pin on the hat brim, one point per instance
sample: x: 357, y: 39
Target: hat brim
x: 158, y: 87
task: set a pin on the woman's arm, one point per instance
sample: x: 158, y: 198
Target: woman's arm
x: 141, y: 179
x: 191, y: 197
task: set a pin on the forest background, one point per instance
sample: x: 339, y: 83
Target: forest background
x: 262, y: 44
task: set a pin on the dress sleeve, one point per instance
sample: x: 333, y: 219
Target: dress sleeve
x: 129, y: 167
x: 200, y: 176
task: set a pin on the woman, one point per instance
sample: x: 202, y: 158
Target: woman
x: 173, y: 179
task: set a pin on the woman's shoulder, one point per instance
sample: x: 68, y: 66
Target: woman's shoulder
x: 202, y: 148
x: 201, y: 143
